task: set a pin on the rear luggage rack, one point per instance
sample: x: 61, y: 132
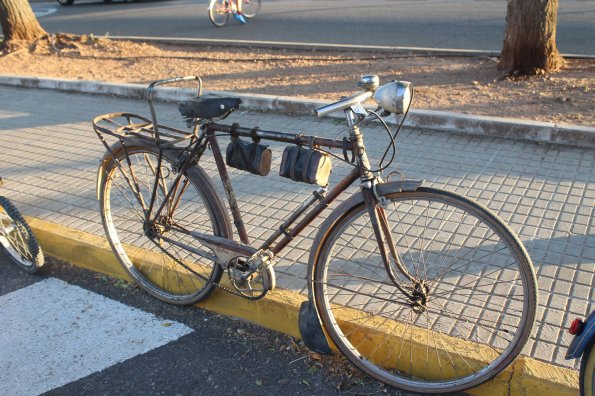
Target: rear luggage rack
x: 124, y: 126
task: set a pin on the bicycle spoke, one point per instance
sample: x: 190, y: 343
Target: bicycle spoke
x: 159, y: 252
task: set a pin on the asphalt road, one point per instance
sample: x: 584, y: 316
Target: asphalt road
x: 216, y: 355
x: 459, y: 24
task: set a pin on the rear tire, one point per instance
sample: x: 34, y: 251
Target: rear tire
x: 17, y: 239
x: 219, y: 11
x: 66, y: 2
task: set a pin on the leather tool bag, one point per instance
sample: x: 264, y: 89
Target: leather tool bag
x: 252, y: 156
x: 308, y: 165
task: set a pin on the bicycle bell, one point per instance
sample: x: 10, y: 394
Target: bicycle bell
x: 394, y: 96
x: 369, y: 82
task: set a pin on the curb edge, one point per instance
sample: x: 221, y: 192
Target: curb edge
x: 507, y: 128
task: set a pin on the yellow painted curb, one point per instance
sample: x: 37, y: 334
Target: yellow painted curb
x: 279, y: 311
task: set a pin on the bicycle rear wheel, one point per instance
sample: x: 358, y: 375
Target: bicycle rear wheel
x: 473, y: 285
x: 219, y: 11
x: 172, y: 272
x: 17, y: 239
x: 250, y: 8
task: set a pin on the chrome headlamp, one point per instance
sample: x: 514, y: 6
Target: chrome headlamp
x: 394, y: 96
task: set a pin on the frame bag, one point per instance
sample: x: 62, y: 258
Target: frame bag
x: 252, y: 156
x: 308, y: 165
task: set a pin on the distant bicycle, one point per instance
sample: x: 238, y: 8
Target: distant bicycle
x: 17, y: 239
x: 220, y: 10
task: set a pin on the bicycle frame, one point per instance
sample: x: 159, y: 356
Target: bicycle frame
x: 355, y: 297
x: 225, y: 249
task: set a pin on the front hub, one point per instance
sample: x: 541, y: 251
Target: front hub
x: 419, y: 299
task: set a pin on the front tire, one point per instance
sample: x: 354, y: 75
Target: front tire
x: 17, y: 239
x: 165, y: 270
x: 250, y: 8
x: 473, y: 282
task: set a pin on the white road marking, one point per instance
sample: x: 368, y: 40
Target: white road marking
x: 41, y: 12
x: 53, y: 333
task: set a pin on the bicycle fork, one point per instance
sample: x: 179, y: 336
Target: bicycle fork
x: 374, y: 204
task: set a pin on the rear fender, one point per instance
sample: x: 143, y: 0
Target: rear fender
x: 204, y: 180
x: 112, y: 151
x: 103, y: 164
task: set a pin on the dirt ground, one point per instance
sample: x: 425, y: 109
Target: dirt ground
x: 470, y: 85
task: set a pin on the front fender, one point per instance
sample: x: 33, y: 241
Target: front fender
x: 580, y: 342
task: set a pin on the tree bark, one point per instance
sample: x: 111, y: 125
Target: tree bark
x: 530, y: 37
x: 18, y: 22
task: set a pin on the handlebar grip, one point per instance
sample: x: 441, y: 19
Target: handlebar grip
x: 343, y: 103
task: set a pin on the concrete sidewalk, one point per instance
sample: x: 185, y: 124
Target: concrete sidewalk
x: 545, y: 192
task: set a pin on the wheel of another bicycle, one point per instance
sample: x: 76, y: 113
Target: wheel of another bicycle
x: 219, y: 11
x: 172, y: 272
x: 587, y: 371
x: 472, y: 284
x: 250, y: 8
x: 17, y: 239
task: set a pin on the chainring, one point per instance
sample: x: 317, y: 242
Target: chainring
x: 254, y: 286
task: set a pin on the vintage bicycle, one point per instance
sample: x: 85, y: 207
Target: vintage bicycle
x: 220, y: 10
x: 421, y: 288
x: 17, y: 239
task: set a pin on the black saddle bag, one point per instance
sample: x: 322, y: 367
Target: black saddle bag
x: 308, y: 165
x: 252, y: 156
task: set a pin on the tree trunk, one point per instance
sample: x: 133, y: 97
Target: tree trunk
x: 18, y: 22
x: 530, y: 37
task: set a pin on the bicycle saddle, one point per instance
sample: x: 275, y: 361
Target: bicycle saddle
x: 206, y: 108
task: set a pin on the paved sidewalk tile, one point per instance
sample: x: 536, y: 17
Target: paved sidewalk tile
x: 545, y: 192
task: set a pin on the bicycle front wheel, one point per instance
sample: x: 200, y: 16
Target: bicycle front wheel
x: 471, y: 285
x: 17, y: 239
x: 250, y: 8
x: 158, y: 250
x: 219, y: 11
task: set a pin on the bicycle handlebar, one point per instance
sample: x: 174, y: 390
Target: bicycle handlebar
x: 394, y: 97
x: 344, y: 103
